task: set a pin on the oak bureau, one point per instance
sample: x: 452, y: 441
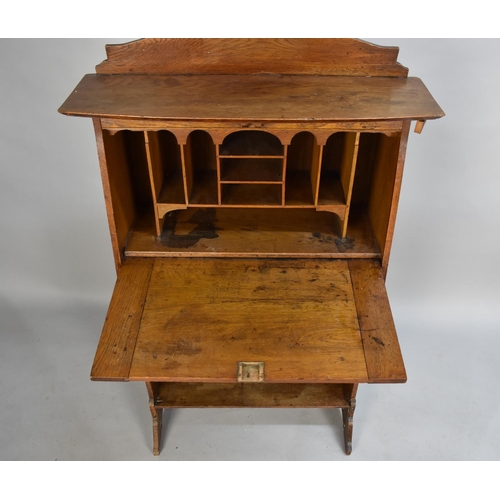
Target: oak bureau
x: 251, y: 188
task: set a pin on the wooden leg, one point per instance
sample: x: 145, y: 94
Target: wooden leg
x: 347, y: 416
x: 157, y: 414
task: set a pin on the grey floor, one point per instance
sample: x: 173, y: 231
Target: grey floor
x: 448, y: 410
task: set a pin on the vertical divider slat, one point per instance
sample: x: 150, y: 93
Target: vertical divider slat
x: 217, y: 162
x: 155, y: 169
x: 187, y: 168
x: 316, y: 170
x: 347, y: 172
x: 283, y: 175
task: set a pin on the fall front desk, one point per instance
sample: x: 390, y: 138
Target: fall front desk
x: 251, y: 189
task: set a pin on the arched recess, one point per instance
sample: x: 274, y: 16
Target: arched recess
x: 200, y: 169
x: 251, y: 143
x: 302, y: 170
x: 252, y: 169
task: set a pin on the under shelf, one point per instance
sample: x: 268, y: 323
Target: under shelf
x: 212, y: 395
x: 239, y: 232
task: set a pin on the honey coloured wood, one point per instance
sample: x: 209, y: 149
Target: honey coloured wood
x: 202, y: 317
x: 198, y: 56
x: 251, y: 189
x: 255, y: 98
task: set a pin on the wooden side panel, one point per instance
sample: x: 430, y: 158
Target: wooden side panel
x: 384, y: 361
x: 118, y: 187
x: 119, y: 335
x: 203, y: 395
x: 386, y: 186
x: 292, y: 56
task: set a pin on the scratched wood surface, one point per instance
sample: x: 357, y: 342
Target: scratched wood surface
x: 206, y: 395
x: 203, y: 316
x: 251, y: 98
x: 201, y: 232
x: 116, y: 345
x: 380, y: 341
x: 327, y: 56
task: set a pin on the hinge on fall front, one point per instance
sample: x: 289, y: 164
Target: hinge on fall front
x: 251, y: 371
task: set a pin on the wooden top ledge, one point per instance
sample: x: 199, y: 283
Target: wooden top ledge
x: 251, y: 98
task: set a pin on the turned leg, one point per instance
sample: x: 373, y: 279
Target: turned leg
x: 348, y: 414
x: 157, y: 414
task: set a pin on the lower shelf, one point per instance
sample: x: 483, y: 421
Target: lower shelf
x: 239, y: 232
x: 206, y: 395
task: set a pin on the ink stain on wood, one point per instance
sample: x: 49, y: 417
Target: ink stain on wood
x: 343, y: 244
x: 204, y: 222
x: 378, y: 341
x: 185, y: 348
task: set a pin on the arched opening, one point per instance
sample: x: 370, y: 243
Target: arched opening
x: 302, y: 170
x: 201, y: 169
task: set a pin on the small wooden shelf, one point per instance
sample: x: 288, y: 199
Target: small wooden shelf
x: 206, y: 395
x: 251, y: 170
x: 239, y: 232
x: 251, y: 195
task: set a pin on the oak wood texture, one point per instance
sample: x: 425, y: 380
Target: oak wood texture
x: 240, y: 395
x: 253, y: 169
x: 156, y: 414
x: 335, y: 57
x: 203, y: 316
x: 384, y: 361
x: 192, y: 320
x: 218, y: 130
x: 385, y: 189
x: 117, y: 343
x: 257, y: 233
x: 195, y: 138
x: 251, y: 98
x: 118, y: 196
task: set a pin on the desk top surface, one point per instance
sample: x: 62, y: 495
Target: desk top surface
x: 276, y: 98
x: 193, y: 320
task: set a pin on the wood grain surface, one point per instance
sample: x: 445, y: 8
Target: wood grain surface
x: 206, y: 395
x: 251, y: 98
x: 203, y: 316
x: 327, y: 56
x: 384, y: 361
x: 116, y: 346
x: 284, y: 233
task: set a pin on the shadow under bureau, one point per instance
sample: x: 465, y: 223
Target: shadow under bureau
x: 251, y: 188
